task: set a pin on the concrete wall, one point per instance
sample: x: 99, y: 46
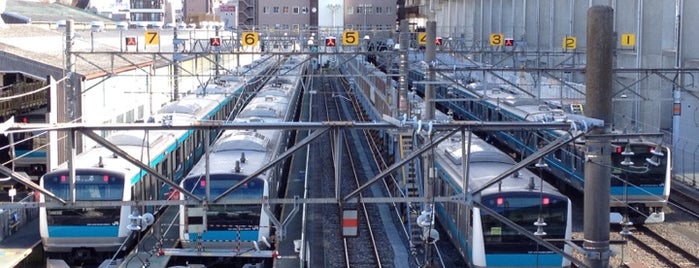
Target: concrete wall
x: 642, y: 100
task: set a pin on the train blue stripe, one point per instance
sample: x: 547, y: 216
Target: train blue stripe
x: 524, y: 260
x: 34, y: 154
x: 83, y: 231
x: 232, y: 235
x: 645, y: 190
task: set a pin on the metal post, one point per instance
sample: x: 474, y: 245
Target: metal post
x: 430, y: 56
x: 333, y: 9
x: 676, y: 92
x: 404, y: 40
x: 207, y: 164
x: 70, y: 104
x: 71, y: 166
x: 597, y: 168
x: 69, y: 69
x: 175, y: 66
x: 217, y: 55
x: 338, y: 161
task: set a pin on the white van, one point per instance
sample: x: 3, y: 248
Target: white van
x: 61, y: 24
x: 97, y: 26
x: 122, y: 26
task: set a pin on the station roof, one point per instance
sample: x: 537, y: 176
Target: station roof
x: 40, y: 44
x: 38, y: 12
x: 39, y: 41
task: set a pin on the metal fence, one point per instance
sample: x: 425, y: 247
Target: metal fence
x: 13, y: 219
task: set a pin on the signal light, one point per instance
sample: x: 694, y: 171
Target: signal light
x: 545, y: 201
x: 500, y: 201
x: 202, y: 183
x: 330, y: 42
x: 130, y: 41
x: 438, y: 41
x: 215, y: 41
x: 63, y: 178
x: 618, y: 149
x: 105, y: 178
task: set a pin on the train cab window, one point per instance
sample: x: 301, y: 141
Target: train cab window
x: 522, y: 209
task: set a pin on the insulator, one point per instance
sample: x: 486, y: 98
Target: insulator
x: 627, y: 161
x: 657, y: 152
x: 625, y: 231
x: 540, y: 224
x: 653, y: 160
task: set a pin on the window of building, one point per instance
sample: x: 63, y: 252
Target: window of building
x: 388, y: 10
x: 275, y: 10
x: 350, y: 10
x: 285, y: 10
x: 295, y: 10
x: 304, y: 10
x: 265, y: 10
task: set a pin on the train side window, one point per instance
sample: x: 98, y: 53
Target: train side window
x: 558, y: 154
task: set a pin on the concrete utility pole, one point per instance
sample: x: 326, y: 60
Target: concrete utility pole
x: 430, y: 59
x: 69, y: 72
x: 404, y: 41
x: 176, y: 66
x: 600, y: 44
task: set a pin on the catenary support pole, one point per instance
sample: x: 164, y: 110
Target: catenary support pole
x: 599, y: 105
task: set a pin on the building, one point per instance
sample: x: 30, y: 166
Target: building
x: 285, y: 16
x: 196, y: 12
x: 147, y: 13
x: 370, y: 15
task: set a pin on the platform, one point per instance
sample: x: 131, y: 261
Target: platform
x: 16, y: 247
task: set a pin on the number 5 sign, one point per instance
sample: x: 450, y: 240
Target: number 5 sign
x: 249, y: 38
x: 350, y: 38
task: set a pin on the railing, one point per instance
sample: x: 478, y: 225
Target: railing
x: 685, y: 157
x: 11, y: 220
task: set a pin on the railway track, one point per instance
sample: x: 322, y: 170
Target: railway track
x: 666, y: 251
x: 362, y: 250
x: 362, y: 158
x: 673, y: 242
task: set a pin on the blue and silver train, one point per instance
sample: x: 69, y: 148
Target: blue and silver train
x: 243, y: 230
x: 640, y: 186
x: 523, y: 198
x: 86, y: 235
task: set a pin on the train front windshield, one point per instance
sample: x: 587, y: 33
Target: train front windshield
x: 641, y: 172
x: 245, y: 216
x: 89, y: 186
x: 523, y: 209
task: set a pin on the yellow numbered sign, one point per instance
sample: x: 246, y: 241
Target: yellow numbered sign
x: 422, y: 38
x: 152, y: 38
x: 350, y: 38
x: 249, y: 38
x: 570, y: 42
x: 628, y: 40
x: 497, y: 39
